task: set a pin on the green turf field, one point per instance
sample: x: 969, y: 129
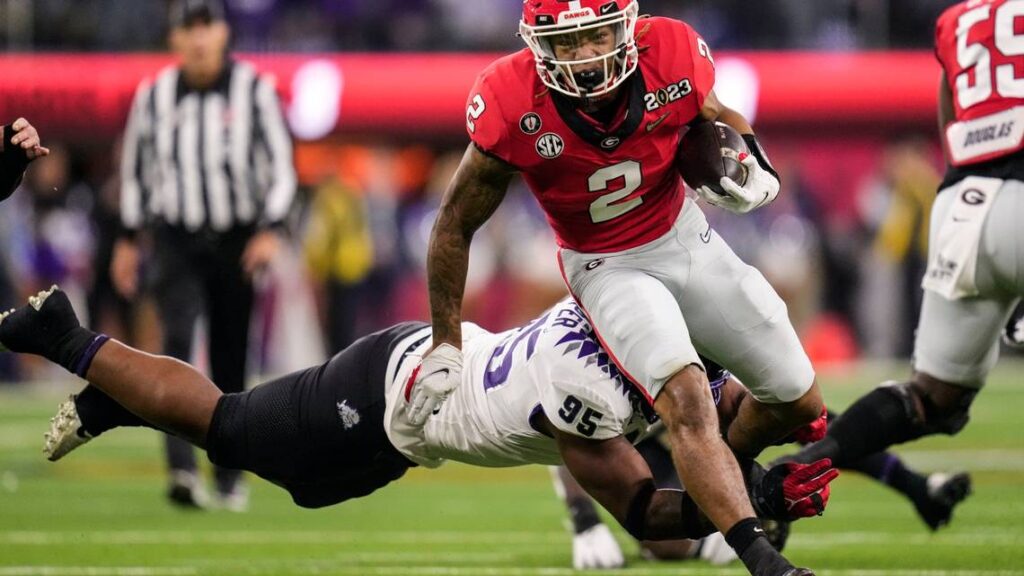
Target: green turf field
x: 102, y: 511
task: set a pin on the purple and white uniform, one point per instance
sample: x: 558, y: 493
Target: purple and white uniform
x: 553, y: 365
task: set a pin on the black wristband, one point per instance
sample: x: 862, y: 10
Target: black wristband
x: 85, y: 359
x: 76, y: 349
x: 743, y: 534
x: 759, y: 154
x: 14, y: 157
x: 761, y: 496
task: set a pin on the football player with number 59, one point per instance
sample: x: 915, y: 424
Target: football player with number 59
x: 590, y: 114
x: 975, y: 272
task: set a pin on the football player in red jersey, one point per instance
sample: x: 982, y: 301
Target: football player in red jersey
x: 975, y: 273
x: 590, y: 115
x: 19, y: 145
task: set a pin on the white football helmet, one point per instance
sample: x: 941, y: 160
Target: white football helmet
x: 556, y: 30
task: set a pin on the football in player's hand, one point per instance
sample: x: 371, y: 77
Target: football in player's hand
x: 704, y: 156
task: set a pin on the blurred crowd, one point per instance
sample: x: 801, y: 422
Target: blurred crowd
x: 437, y: 25
x: 844, y: 245
x: 847, y: 259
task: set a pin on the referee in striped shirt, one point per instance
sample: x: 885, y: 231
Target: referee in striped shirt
x: 207, y: 167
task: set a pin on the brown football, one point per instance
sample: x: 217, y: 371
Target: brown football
x: 699, y: 158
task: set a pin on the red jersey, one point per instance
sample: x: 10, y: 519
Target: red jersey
x: 603, y: 188
x: 980, y: 44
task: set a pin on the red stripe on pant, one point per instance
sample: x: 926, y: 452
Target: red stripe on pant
x: 643, y: 391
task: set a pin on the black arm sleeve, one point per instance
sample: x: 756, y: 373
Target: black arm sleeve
x: 762, y: 158
x: 13, y: 162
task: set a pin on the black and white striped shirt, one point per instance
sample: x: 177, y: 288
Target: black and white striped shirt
x: 210, y: 159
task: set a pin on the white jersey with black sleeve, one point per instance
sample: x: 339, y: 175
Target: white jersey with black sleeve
x: 552, y: 366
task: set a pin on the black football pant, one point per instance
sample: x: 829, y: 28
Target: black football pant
x: 200, y: 274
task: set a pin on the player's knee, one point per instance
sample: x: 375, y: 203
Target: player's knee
x: 685, y: 403
x: 808, y: 407
x: 946, y: 407
x: 931, y: 407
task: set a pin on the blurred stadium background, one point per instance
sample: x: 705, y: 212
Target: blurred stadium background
x: 841, y: 91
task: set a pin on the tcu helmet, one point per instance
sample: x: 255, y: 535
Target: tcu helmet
x: 555, y: 31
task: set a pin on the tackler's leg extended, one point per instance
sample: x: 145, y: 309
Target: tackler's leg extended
x: 166, y: 393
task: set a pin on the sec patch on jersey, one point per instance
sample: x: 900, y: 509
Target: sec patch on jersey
x: 703, y: 156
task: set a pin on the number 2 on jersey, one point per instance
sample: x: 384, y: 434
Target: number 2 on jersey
x: 603, y: 209
x: 1007, y: 41
x: 474, y: 111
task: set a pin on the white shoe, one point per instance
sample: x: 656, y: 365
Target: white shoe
x: 595, y: 549
x: 235, y: 501
x: 187, y: 490
x: 716, y: 551
x: 65, y: 432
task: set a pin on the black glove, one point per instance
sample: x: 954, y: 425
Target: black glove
x: 790, y: 490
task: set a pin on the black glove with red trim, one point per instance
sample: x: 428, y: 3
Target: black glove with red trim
x: 791, y: 491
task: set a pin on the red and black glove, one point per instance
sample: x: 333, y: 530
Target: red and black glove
x: 790, y: 491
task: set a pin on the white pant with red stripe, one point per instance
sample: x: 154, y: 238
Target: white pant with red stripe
x: 655, y: 306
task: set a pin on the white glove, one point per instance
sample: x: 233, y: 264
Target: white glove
x: 760, y: 188
x: 440, y: 372
x: 596, y: 548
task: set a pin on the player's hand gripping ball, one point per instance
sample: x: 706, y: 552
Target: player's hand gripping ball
x: 714, y: 160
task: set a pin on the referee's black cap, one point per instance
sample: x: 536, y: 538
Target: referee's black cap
x: 185, y: 13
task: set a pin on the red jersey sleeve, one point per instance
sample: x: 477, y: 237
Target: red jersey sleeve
x: 486, y: 124
x: 701, y: 60
x: 940, y: 44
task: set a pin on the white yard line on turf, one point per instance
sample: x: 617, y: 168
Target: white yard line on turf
x: 391, y: 539
x: 449, y: 571
x: 962, y: 539
x: 696, y: 570
x: 994, y: 460
x: 173, y: 538
x: 95, y: 571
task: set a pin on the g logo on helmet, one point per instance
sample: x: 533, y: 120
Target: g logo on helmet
x: 550, y: 146
x: 973, y: 196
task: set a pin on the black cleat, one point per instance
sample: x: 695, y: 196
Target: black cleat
x: 944, y: 492
x: 799, y: 572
